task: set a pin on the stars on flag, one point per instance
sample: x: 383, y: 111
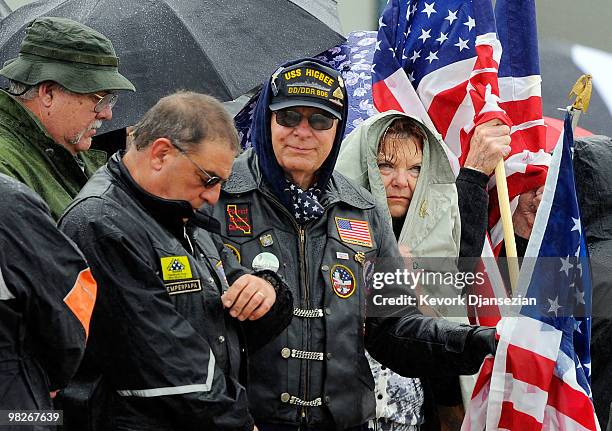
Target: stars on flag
x: 429, y: 9
x: 452, y: 16
x: 381, y: 23
x: 471, y: 23
x: 428, y: 26
x: 433, y: 55
x: 424, y: 35
x: 554, y: 305
x: 576, y: 225
x: 443, y: 37
x: 566, y: 266
x: 462, y: 44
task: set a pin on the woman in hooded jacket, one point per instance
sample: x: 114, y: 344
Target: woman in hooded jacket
x: 404, y: 165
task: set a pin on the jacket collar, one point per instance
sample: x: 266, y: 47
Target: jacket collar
x: 26, y: 122
x: 246, y: 177
x: 169, y: 213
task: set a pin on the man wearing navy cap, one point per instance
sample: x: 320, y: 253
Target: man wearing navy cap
x: 285, y: 209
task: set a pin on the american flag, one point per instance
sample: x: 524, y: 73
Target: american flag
x: 438, y: 60
x: 540, y: 377
x: 354, y: 231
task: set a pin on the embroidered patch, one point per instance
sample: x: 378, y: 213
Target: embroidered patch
x: 343, y: 281
x: 238, y: 220
x: 234, y: 250
x: 175, y: 268
x: 179, y: 287
x: 354, y: 231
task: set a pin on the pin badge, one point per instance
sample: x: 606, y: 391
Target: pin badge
x: 265, y: 261
x: 360, y: 257
x: 342, y: 255
x: 266, y: 240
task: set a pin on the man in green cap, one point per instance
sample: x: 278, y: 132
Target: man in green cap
x: 62, y: 86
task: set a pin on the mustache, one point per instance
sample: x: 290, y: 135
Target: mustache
x: 95, y: 125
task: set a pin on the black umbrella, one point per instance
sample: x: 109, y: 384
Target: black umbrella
x: 219, y: 47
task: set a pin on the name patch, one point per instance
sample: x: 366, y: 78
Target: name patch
x: 179, y: 287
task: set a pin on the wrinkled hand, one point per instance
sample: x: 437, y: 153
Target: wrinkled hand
x: 250, y: 297
x: 525, y: 212
x: 489, y: 144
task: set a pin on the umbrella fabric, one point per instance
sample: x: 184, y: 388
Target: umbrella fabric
x: 218, y: 47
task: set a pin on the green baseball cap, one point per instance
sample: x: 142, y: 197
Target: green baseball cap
x: 67, y: 52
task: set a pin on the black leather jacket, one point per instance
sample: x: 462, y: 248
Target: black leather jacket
x: 316, y: 372
x: 44, y: 307
x: 165, y: 346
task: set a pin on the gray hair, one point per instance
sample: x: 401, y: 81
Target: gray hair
x: 186, y: 118
x: 23, y: 91
x: 29, y: 92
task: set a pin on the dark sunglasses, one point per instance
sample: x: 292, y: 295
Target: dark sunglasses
x: 290, y: 118
x: 211, y: 180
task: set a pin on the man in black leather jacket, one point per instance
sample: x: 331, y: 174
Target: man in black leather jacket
x: 285, y: 209
x: 176, y: 314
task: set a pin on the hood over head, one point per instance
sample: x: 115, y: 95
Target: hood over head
x: 303, y: 82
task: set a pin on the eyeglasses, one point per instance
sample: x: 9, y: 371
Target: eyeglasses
x: 290, y: 118
x: 211, y: 181
x: 106, y: 101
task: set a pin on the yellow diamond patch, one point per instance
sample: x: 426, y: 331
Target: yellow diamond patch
x: 175, y: 268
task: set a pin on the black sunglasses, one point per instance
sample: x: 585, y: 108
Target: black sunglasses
x: 211, y: 181
x: 290, y: 118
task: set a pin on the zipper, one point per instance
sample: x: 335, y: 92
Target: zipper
x: 302, y: 234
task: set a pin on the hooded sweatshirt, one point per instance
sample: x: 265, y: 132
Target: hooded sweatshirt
x: 262, y: 143
x: 432, y: 226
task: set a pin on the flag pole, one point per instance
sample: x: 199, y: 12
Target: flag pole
x: 506, y: 217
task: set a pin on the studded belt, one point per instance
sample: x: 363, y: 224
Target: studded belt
x: 291, y: 399
x: 301, y: 354
x: 312, y: 313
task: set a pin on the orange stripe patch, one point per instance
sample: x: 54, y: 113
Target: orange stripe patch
x: 82, y: 297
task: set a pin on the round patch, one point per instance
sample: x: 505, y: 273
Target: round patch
x: 234, y: 250
x: 343, y: 281
x: 264, y: 261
